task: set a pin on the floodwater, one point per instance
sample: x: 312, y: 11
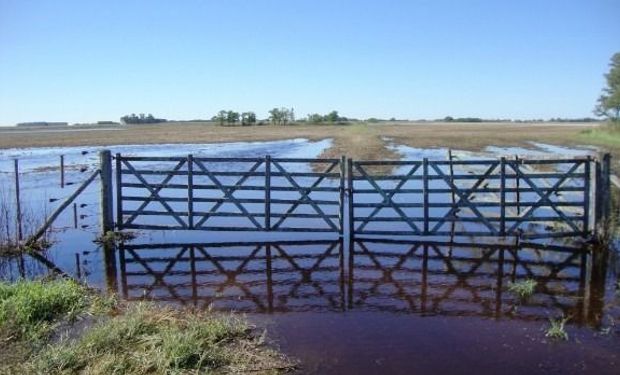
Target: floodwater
x: 367, y: 306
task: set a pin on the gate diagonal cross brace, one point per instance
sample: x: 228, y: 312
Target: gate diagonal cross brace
x: 387, y: 199
x: 228, y: 193
x: 544, y: 197
x: 154, y: 193
x: 464, y: 196
x: 305, y: 194
x: 401, y: 183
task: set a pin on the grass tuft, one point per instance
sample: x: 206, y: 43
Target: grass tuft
x: 523, y: 289
x: 145, y: 339
x: 114, y: 238
x: 556, y: 330
x: 28, y: 309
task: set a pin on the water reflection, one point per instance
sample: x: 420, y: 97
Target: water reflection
x: 429, y: 278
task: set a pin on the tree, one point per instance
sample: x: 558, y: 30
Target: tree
x: 221, y: 117
x: 232, y: 117
x: 248, y: 118
x: 281, y: 116
x: 332, y: 116
x: 609, y: 102
x: 141, y: 119
x: 315, y: 118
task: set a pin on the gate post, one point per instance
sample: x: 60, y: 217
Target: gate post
x: 603, y: 194
x: 351, y: 212
x: 119, y: 191
x: 105, y: 167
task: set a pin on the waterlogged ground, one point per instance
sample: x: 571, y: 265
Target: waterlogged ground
x: 369, y: 307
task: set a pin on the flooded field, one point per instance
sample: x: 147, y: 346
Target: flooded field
x: 367, y: 306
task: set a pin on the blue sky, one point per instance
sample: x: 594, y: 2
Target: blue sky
x: 81, y: 61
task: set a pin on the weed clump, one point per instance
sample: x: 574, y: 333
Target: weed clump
x: 114, y: 238
x: 556, y: 330
x: 523, y: 289
x: 9, y: 249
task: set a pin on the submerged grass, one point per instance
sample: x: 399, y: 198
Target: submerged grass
x: 523, y: 289
x: 39, y: 337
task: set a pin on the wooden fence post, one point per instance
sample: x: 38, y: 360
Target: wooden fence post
x: 603, y: 193
x: 18, y: 204
x: 119, y: 193
x: 62, y: 171
x: 587, y: 196
x: 105, y: 165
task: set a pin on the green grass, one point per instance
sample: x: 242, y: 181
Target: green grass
x: 524, y: 288
x: 556, y: 329
x: 601, y: 136
x: 149, y: 339
x: 161, y: 341
x: 29, y: 309
x: 39, y: 335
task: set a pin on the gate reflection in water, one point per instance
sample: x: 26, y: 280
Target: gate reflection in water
x: 429, y: 278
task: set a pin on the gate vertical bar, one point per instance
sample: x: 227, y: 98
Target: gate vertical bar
x: 268, y: 193
x: 119, y: 193
x: 425, y: 194
x: 107, y: 220
x: 452, y: 222
x: 517, y: 185
x: 190, y: 191
x: 502, y: 192
x: 587, y: 177
x: 341, y: 196
x: 350, y: 200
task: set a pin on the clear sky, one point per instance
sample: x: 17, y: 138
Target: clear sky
x: 83, y: 61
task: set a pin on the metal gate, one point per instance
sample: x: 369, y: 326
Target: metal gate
x: 230, y: 194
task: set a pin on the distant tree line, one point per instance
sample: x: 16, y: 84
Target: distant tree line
x: 141, y: 119
x: 231, y: 118
x: 42, y: 123
x: 331, y: 117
